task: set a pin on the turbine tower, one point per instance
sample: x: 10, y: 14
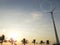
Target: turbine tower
x: 56, y: 35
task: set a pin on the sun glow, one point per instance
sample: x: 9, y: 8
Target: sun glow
x: 14, y: 35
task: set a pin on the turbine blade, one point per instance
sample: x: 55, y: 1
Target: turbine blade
x: 48, y: 12
x: 53, y: 9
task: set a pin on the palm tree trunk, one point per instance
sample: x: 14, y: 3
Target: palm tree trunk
x: 1, y: 43
x: 11, y: 43
x: 41, y: 44
x: 24, y: 43
x: 34, y: 43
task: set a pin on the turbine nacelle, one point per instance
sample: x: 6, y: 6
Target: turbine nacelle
x: 52, y: 11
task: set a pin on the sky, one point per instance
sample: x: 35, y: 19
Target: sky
x: 29, y: 19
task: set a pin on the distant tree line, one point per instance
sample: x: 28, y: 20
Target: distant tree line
x: 24, y: 41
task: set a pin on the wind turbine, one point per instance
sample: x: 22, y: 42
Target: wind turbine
x: 56, y: 35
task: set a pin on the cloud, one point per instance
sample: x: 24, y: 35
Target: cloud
x: 33, y: 16
x: 36, y: 15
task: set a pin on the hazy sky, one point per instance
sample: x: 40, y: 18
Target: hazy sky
x: 29, y: 18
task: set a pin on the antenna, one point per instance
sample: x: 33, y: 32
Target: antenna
x: 56, y: 35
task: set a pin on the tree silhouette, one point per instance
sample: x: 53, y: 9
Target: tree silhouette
x: 47, y: 42
x: 12, y: 41
x: 24, y: 41
x: 2, y: 39
x: 41, y: 42
x: 34, y: 41
x: 5, y: 40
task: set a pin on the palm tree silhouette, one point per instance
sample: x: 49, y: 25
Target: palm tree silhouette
x: 41, y: 42
x: 47, y: 42
x: 2, y: 39
x: 34, y: 41
x: 12, y: 41
x: 24, y: 41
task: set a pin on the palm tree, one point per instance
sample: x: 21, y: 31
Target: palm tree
x: 34, y: 41
x: 47, y: 42
x: 24, y: 41
x: 12, y: 41
x: 2, y: 39
x: 41, y: 42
